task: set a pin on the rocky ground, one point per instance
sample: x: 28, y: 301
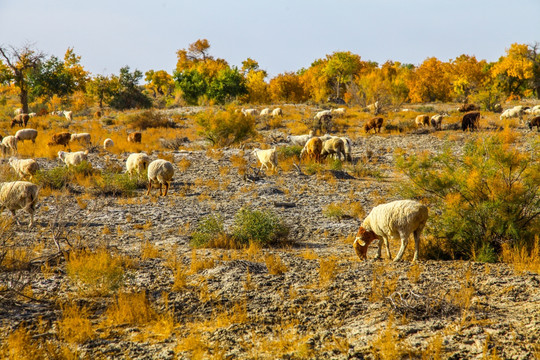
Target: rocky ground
x: 321, y: 302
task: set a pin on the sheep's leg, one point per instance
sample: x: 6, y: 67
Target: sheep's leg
x: 149, y: 187
x: 166, y: 188
x: 416, y: 234
x: 379, y: 249
x: 160, y: 189
x: 387, y: 243
x: 15, y: 217
x: 404, y: 240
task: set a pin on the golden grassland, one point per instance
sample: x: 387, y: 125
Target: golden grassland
x: 100, y: 274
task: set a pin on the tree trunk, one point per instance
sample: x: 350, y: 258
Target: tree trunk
x: 23, y: 96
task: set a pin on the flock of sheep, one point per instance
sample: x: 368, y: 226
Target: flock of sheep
x: 398, y: 219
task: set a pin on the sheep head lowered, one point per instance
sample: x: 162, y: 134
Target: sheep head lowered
x: 361, y: 242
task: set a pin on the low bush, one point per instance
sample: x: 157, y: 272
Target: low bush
x: 143, y: 120
x: 262, y: 227
x: 225, y: 127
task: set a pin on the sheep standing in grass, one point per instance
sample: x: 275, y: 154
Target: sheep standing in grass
x: 161, y: 171
x: 21, y: 120
x: 73, y: 158
x: 346, y: 142
x: 81, y: 138
x: 265, y: 112
x: 10, y: 144
x: 68, y: 115
x: 322, y: 113
x: 62, y: 138
x: 299, y: 140
x: 277, y: 112
x: 470, y: 121
x: 339, y: 112
x: 375, y: 123
x: 333, y: 146
x: 436, y: 121
x: 534, y: 122
x: 137, y: 163
x: 24, y: 167
x: 134, y: 137
x: 515, y: 112
x: 312, y: 149
x: 108, y: 143
x: 251, y: 112
x: 422, y: 120
x: 397, y: 219
x: 26, y: 134
x: 266, y: 157
x: 19, y: 195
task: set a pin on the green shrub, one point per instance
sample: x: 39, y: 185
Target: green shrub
x: 225, y: 127
x: 112, y: 184
x: 286, y: 152
x: 262, y: 227
x: 208, y: 229
x: 55, y: 178
x: 480, y: 200
x: 143, y: 120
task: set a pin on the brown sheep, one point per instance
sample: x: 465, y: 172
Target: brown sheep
x: 62, y: 138
x: 134, y: 137
x: 470, y: 120
x: 312, y: 149
x: 97, y: 115
x: 422, y: 120
x: 467, y: 108
x: 375, y: 123
x: 333, y: 146
x: 535, y: 121
x: 21, y: 120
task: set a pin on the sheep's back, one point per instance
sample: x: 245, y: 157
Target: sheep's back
x: 388, y: 219
x: 17, y: 195
x: 160, y: 170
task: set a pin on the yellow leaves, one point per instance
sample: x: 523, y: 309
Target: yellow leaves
x: 516, y: 63
x: 258, y: 89
x: 287, y: 87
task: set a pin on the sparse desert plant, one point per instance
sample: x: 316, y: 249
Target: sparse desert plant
x: 388, y: 345
x: 275, y: 265
x: 143, y: 120
x: 485, y: 198
x: 131, y: 308
x: 95, y: 273
x: 523, y: 258
x: 225, y: 127
x: 260, y: 226
x: 207, y: 231
x: 112, y: 184
x: 328, y: 269
x: 286, y: 152
x: 75, y: 326
x: 55, y: 178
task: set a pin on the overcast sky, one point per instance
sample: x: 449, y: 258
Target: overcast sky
x: 281, y: 35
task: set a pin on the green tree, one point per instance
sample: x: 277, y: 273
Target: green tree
x: 128, y: 94
x: 340, y: 68
x: 227, y: 85
x: 51, y: 78
x: 101, y: 88
x: 192, y: 83
x: 159, y: 82
x: 19, y: 63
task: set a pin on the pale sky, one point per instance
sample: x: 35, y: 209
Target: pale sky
x: 281, y: 35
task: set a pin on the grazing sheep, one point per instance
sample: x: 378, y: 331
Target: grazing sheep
x: 68, y: 115
x: 299, y: 140
x: 268, y: 156
x: 26, y: 134
x: 346, y: 142
x: 137, y: 163
x: 32, y: 114
x: 18, y: 111
x: 3, y: 150
x: 533, y: 111
x: 108, y: 143
x: 24, y: 167
x: 333, y: 146
x: 97, y: 115
x: 322, y: 113
x: 397, y: 219
x: 10, y: 144
x: 375, y: 123
x: 322, y: 123
x: 161, y: 171
x: 467, y: 108
x: 374, y: 108
x: 73, y: 158
x: 312, y: 149
x: 17, y: 195
x: 535, y: 121
x: 252, y: 112
x: 277, y: 112
x: 515, y: 112
x: 339, y: 111
x: 436, y: 121
x: 62, y: 138
x: 470, y: 121
x: 21, y: 120
x: 81, y: 138
x: 265, y: 112
x: 422, y: 120
x: 134, y: 137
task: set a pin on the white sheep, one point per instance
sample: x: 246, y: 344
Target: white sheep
x: 533, y: 111
x: 81, y: 138
x: 397, y: 219
x: 73, y: 158
x: 252, y: 112
x: 277, y: 112
x: 108, y: 143
x: 68, y: 115
x: 24, y: 167
x: 322, y: 113
x: 32, y: 114
x: 137, y: 163
x: 300, y: 140
x: 18, y: 111
x: 515, y: 112
x: 10, y: 144
x: 17, y: 195
x: 265, y: 112
x: 347, y: 143
x: 436, y: 121
x: 26, y: 134
x: 268, y: 156
x: 339, y: 111
x: 161, y: 171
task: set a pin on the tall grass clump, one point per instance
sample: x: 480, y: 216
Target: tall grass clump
x: 487, y: 197
x: 225, y: 127
x: 207, y: 231
x: 263, y: 227
x: 143, y: 120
